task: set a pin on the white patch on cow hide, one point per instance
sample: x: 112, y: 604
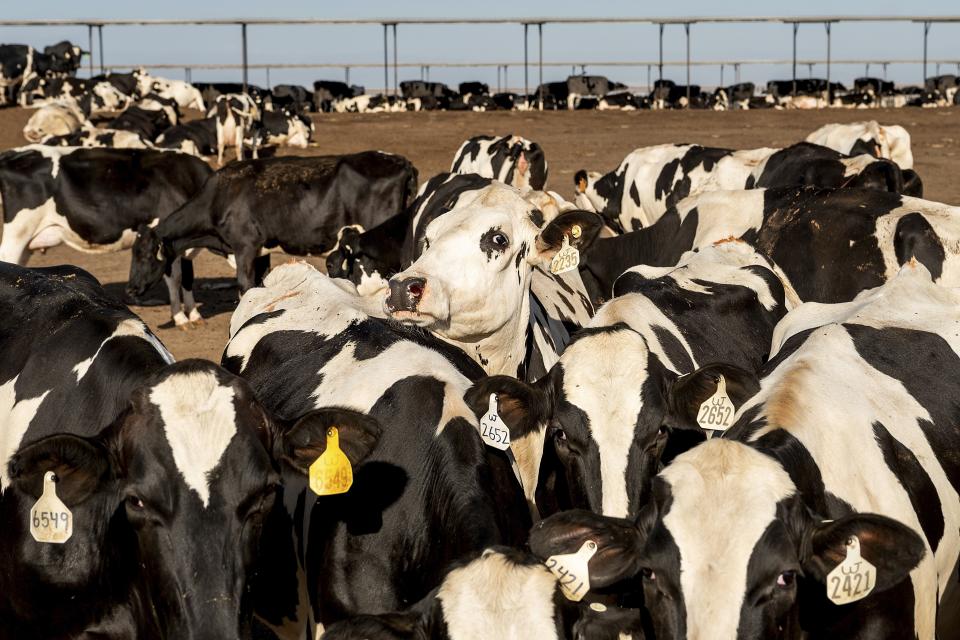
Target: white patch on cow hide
x: 199, y: 421
x: 603, y: 375
x: 493, y: 597
x: 125, y: 328
x: 724, y: 496
x: 15, y: 417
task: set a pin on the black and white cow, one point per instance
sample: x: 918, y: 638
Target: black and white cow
x: 501, y: 593
x: 62, y: 119
x: 830, y: 243
x: 281, y: 127
x: 847, y: 444
x: 604, y: 412
x: 890, y: 141
x: 99, y: 138
x: 366, y: 103
x: 296, y: 203
x: 196, y: 137
x: 93, y: 200
x: 148, y: 118
x: 652, y: 179
x: 17, y: 61
x: 235, y: 114
x: 428, y: 493
x: 369, y: 258
x: 510, y: 159
x: 472, y: 283
x: 183, y: 93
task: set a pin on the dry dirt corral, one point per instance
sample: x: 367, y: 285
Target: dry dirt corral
x: 571, y: 140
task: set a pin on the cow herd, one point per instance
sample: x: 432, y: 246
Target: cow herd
x: 715, y: 396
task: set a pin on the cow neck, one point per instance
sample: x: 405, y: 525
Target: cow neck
x: 501, y: 351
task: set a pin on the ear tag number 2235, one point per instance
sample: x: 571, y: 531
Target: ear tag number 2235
x: 716, y: 412
x: 492, y: 429
x: 566, y: 259
x: 331, y: 473
x: 572, y: 570
x: 853, y: 579
x: 50, y: 520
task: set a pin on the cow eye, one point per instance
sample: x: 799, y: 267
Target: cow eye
x: 648, y: 574
x: 786, y: 579
x: 135, y: 503
x: 499, y: 240
x: 560, y: 436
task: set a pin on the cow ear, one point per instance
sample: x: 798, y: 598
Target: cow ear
x: 688, y: 392
x: 303, y: 443
x: 81, y: 466
x: 619, y: 543
x: 890, y: 546
x: 521, y: 406
x: 580, y: 228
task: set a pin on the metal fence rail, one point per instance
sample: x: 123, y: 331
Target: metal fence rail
x: 391, y: 24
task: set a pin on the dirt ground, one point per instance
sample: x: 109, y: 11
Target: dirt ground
x: 571, y: 141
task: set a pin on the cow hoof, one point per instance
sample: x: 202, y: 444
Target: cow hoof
x: 181, y: 320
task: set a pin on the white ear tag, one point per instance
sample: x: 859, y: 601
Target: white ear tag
x: 853, y: 579
x: 717, y: 411
x: 50, y: 519
x: 492, y: 429
x: 567, y: 259
x: 572, y: 571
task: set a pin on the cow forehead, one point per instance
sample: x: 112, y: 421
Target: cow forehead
x: 199, y: 421
x: 725, y: 495
x: 477, y: 217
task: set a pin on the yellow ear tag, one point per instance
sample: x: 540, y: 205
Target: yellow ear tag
x: 50, y: 520
x: 575, y: 231
x: 331, y: 473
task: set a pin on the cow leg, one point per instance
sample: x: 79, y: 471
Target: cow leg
x: 238, y: 138
x: 186, y: 290
x: 172, y: 281
x: 261, y: 266
x: 220, y: 143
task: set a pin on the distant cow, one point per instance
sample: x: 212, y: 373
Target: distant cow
x: 94, y: 200
x: 293, y: 97
x: 652, y: 179
x: 235, y: 114
x: 196, y: 137
x: 295, y: 203
x: 889, y: 141
x: 185, y: 94
x: 54, y: 120
x: 149, y: 117
x: 510, y: 159
x: 281, y: 127
x: 99, y: 138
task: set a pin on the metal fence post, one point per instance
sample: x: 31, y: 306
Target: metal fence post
x: 526, y: 70
x: 926, y: 32
x: 829, y: 92
x: 243, y: 33
x: 796, y: 26
x: 100, y: 36
x: 686, y: 27
x: 90, y: 47
x: 395, y: 83
x: 660, y: 67
x: 540, y: 41
x: 386, y: 63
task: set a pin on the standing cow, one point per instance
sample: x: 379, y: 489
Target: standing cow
x: 844, y: 455
x: 295, y: 203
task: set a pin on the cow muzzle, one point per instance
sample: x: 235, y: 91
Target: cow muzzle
x: 405, y: 294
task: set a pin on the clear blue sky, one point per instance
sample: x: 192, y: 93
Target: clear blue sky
x: 492, y: 43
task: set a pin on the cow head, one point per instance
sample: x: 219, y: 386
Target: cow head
x: 609, y: 407
x: 350, y: 261
x: 177, y: 490
x: 150, y: 259
x: 728, y: 550
x: 473, y: 276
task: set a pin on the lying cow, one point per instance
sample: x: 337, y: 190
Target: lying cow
x: 283, y: 127
x: 889, y: 141
x: 61, y: 119
x: 430, y: 491
x: 604, y: 412
x: 183, y: 93
x: 295, y: 203
x: 843, y: 455
x: 150, y: 117
x: 510, y: 159
x: 94, y: 200
x: 830, y: 243
x: 197, y: 137
x: 651, y: 180
x: 99, y: 138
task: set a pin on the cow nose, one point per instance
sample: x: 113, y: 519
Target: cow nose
x: 405, y: 294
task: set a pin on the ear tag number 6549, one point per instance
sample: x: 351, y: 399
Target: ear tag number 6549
x: 50, y: 520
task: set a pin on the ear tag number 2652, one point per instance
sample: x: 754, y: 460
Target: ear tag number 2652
x: 853, y: 579
x: 50, y: 520
x: 331, y: 473
x: 567, y: 258
x: 717, y: 411
x: 572, y: 571
x: 492, y: 429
